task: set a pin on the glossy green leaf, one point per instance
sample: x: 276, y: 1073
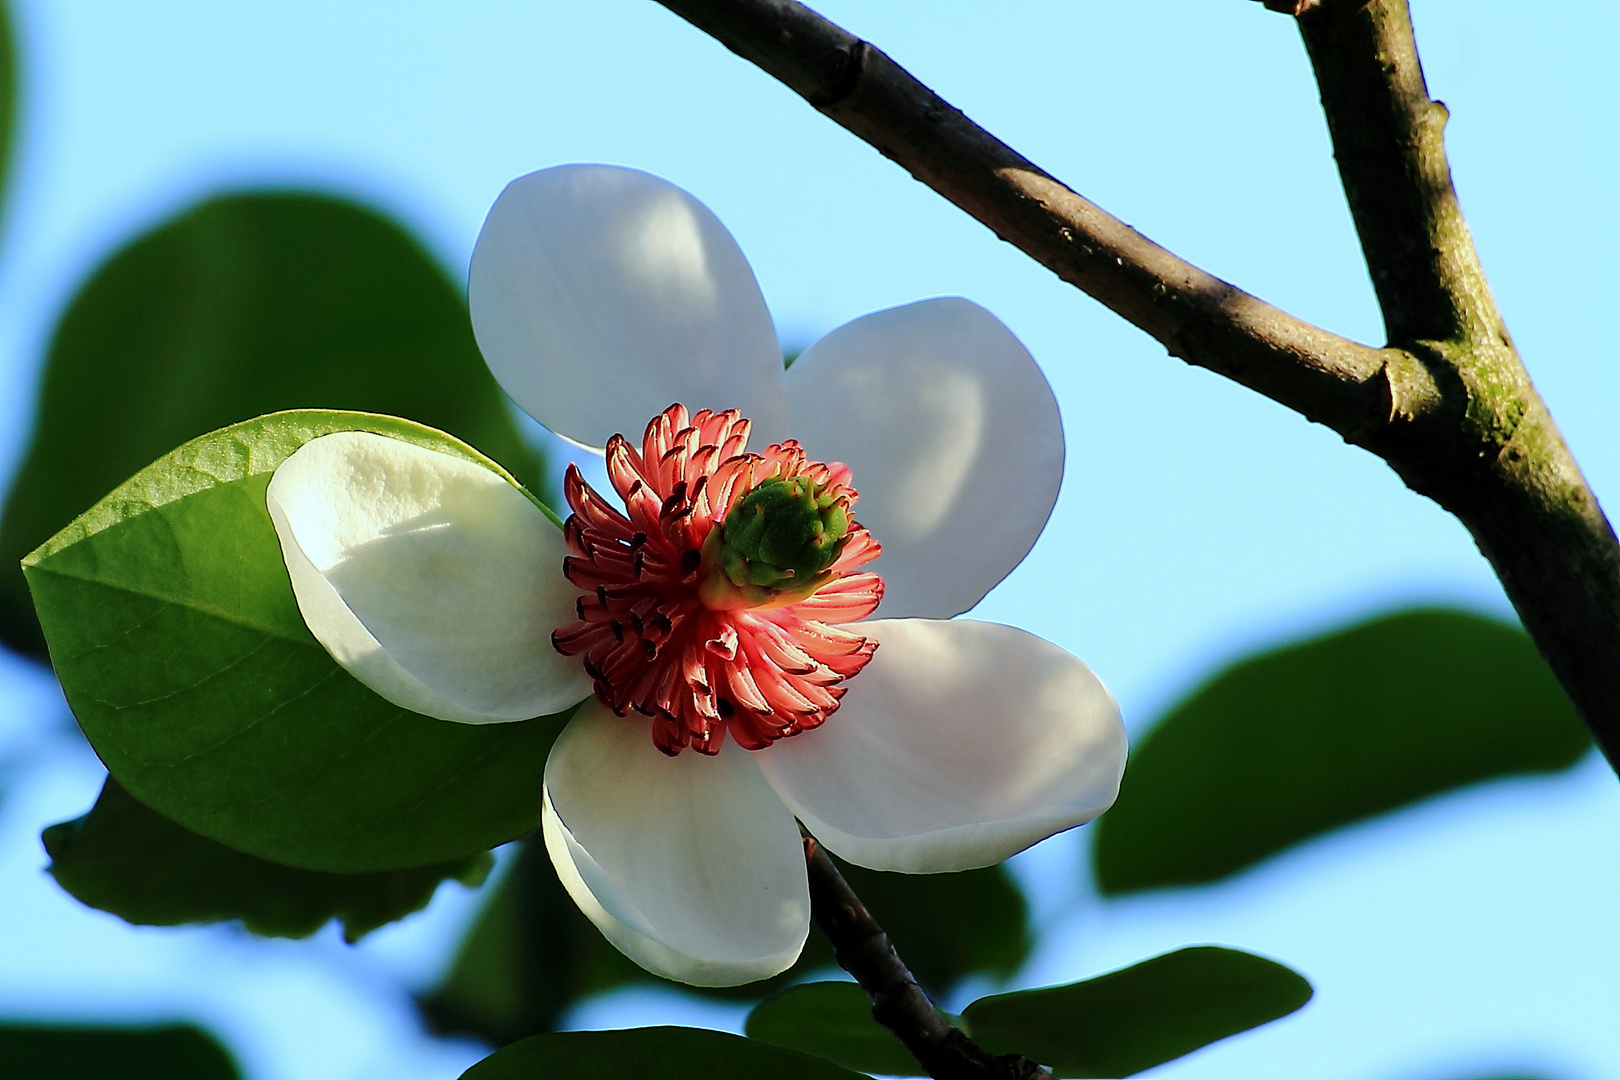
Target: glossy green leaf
x: 657, y: 1053
x: 244, y: 305
x: 1284, y: 746
x: 127, y: 859
x: 531, y: 954
x: 1133, y: 1019
x: 61, y: 1052
x: 831, y: 1020
x: 177, y: 640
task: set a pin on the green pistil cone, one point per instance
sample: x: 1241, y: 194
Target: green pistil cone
x: 783, y: 533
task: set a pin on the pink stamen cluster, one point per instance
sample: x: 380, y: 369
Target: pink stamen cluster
x: 762, y: 671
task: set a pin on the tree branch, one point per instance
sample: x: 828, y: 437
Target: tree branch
x: 1387, y: 141
x: 1447, y: 404
x: 1196, y: 316
x: 1491, y: 454
x: 898, y: 1003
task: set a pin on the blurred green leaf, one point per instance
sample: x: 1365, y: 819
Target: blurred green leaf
x: 947, y: 926
x: 528, y: 957
x: 531, y: 953
x: 1113, y: 1025
x: 831, y: 1020
x: 131, y: 861
x: 177, y: 640
x: 1284, y: 746
x: 171, y: 1052
x: 657, y: 1053
x: 1141, y: 1016
x: 246, y: 304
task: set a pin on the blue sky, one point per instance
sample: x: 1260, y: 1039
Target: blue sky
x: 1197, y: 521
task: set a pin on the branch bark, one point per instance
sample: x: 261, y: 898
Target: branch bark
x: 1491, y: 454
x: 1195, y: 315
x: 1446, y: 403
x: 898, y: 1003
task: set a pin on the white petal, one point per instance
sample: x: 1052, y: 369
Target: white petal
x: 959, y: 744
x: 601, y: 295
x: 690, y: 865
x: 430, y: 579
x: 954, y: 440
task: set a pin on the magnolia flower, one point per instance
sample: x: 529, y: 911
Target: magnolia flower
x: 714, y: 631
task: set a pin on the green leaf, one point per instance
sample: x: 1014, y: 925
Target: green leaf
x: 1133, y: 1019
x: 247, y: 304
x: 531, y: 954
x: 831, y: 1020
x: 177, y: 640
x: 1284, y: 746
x: 657, y: 1053
x: 131, y: 861
x: 1113, y: 1025
x: 171, y: 1052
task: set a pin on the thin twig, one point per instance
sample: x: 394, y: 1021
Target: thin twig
x: 1447, y: 403
x: 898, y: 1003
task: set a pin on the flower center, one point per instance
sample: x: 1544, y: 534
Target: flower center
x: 776, y: 544
x: 712, y: 603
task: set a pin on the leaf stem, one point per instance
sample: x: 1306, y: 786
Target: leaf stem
x: 898, y: 1003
